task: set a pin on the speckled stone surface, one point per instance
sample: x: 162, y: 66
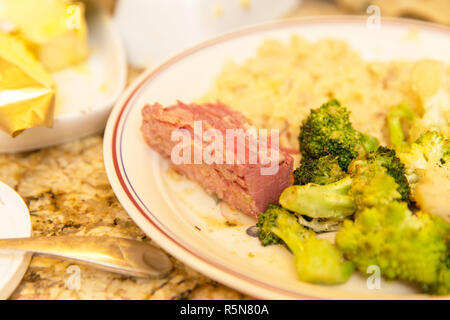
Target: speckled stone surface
x: 68, y: 193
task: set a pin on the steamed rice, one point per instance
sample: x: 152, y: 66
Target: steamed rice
x: 278, y: 87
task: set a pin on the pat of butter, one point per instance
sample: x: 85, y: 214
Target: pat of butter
x: 26, y: 88
x: 54, y: 30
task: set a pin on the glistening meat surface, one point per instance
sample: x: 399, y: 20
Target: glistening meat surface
x: 242, y: 185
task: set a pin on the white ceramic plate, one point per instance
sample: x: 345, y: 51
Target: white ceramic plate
x: 14, y: 223
x: 179, y: 215
x: 85, y: 92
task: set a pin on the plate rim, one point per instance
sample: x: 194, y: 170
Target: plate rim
x: 23, y: 262
x: 221, y: 273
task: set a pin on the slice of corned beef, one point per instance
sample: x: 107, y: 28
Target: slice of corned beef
x: 243, y: 185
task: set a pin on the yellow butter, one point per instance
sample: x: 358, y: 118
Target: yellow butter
x: 26, y: 88
x: 55, y: 30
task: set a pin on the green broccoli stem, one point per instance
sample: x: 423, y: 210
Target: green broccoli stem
x: 369, y: 143
x: 322, y: 262
x: 316, y: 260
x: 290, y: 231
x: 320, y: 201
x: 394, y: 121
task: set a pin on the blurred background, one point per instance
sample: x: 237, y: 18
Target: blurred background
x: 152, y: 30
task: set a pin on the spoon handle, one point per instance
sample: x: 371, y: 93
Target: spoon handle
x: 118, y: 255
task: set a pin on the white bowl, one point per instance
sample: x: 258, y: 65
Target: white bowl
x: 85, y: 92
x: 153, y: 30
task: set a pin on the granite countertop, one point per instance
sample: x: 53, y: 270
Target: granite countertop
x: 67, y: 192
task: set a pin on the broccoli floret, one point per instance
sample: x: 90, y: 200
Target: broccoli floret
x: 388, y: 159
x: 428, y: 82
x: 434, y: 147
x: 428, y: 172
x: 431, y: 144
x: 404, y: 246
x: 324, y: 170
x: 372, y: 185
x: 366, y: 184
x: 320, y: 201
x: 430, y: 149
x: 316, y: 260
x: 328, y: 132
x: 266, y: 222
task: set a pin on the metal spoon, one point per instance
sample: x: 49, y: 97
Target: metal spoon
x: 118, y: 255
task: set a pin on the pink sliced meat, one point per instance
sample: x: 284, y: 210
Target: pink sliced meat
x: 241, y: 185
